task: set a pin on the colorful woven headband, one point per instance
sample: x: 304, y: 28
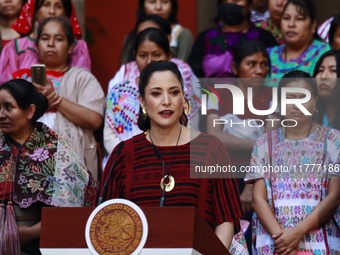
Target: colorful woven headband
x: 23, y: 25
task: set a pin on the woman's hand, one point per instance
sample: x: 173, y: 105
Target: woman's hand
x: 48, y: 91
x: 28, y: 234
x: 225, y: 233
x: 287, y: 240
x: 263, y: 210
x: 25, y: 234
x: 247, y: 198
x: 74, y: 112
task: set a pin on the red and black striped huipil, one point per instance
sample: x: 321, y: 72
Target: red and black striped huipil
x: 138, y: 163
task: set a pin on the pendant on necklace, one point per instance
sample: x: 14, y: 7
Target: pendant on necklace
x: 169, y: 185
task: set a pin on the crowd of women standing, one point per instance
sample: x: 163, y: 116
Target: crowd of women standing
x: 152, y: 127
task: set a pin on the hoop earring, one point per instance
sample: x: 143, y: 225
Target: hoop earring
x: 144, y: 114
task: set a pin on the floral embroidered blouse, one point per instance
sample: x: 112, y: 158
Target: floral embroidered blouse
x: 269, y: 26
x: 295, y: 189
x: 43, y: 169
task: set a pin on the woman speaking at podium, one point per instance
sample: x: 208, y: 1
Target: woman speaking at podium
x: 154, y: 168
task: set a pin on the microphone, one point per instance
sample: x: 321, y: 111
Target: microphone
x: 162, y: 201
x: 159, y: 156
x: 120, y: 147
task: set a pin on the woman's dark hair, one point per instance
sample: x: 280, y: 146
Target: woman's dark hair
x: 26, y: 94
x: 66, y: 4
x: 248, y: 48
x: 305, y: 8
x: 298, y: 75
x: 163, y: 24
x: 336, y: 54
x: 156, y: 36
x: 222, y: 1
x: 157, y: 66
x: 334, y: 25
x: 172, y: 17
x: 321, y: 103
x: 65, y: 24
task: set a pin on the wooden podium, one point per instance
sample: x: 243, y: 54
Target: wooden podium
x: 172, y: 230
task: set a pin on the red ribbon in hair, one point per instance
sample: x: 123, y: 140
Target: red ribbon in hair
x: 24, y: 23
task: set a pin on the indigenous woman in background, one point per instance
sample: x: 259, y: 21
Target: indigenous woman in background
x: 37, y: 168
x: 302, y: 46
x: 327, y: 74
x: 295, y: 204
x: 331, y: 28
x: 213, y: 51
x: 251, y: 66
x: 76, y: 99
x: 9, y: 13
x: 273, y: 23
x: 122, y: 100
x: 148, y: 22
x: 168, y: 147
x: 181, y: 38
x: 22, y: 53
x: 334, y: 33
x: 259, y: 10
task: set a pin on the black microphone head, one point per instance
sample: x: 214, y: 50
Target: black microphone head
x: 161, y: 203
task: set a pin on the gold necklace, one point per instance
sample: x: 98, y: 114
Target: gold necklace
x: 167, y: 183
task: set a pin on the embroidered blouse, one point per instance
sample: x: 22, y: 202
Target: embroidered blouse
x: 44, y: 169
x: 294, y: 189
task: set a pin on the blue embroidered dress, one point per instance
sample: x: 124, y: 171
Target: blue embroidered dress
x: 306, y: 62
